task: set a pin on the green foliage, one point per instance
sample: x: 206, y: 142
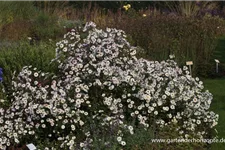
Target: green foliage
x: 219, y: 54
x: 12, y: 10
x: 70, y: 23
x: 46, y: 26
x: 19, y: 20
x: 50, y: 7
x: 13, y: 58
x: 141, y: 139
x: 15, y: 30
x: 216, y: 86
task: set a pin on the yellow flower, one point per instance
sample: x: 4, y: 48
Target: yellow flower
x: 125, y: 7
x: 144, y: 15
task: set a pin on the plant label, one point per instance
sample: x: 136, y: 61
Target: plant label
x: 189, y: 63
x: 217, y: 61
x: 31, y: 146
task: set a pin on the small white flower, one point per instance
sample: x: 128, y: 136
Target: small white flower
x: 130, y: 128
x: 164, y: 97
x: 172, y: 106
x: 63, y: 127
x: 35, y: 74
x: 81, y: 144
x: 136, y: 112
x: 159, y: 102
x: 198, y: 122
x: 61, y: 45
x: 123, y: 143
x: 119, y: 139
x: 43, y: 125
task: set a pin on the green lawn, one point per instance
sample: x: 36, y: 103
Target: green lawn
x: 219, y: 53
x: 217, y: 88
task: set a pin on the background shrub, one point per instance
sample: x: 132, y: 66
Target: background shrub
x: 15, y: 19
x: 45, y: 27
x: 193, y: 8
x: 12, y: 11
x: 188, y: 38
x: 16, y: 30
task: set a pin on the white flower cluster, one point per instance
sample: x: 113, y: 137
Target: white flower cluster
x: 102, y: 87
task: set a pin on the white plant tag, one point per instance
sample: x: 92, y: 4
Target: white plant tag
x: 189, y: 63
x: 31, y: 146
x: 217, y: 61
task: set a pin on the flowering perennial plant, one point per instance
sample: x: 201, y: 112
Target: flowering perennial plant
x: 102, y: 89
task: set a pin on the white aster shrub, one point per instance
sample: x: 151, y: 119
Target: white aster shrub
x: 102, y: 90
